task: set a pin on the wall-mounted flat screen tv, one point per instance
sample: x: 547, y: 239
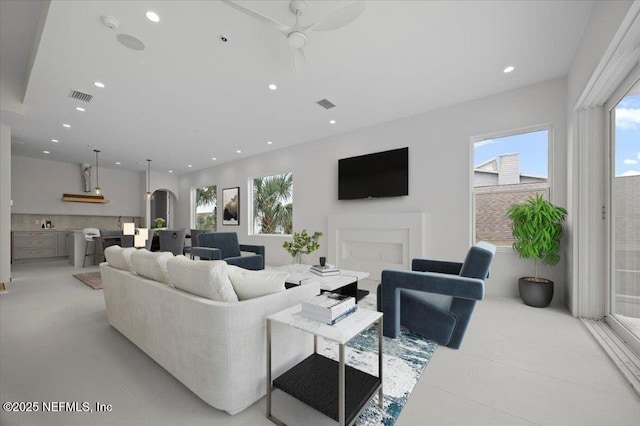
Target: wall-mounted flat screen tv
x: 381, y: 174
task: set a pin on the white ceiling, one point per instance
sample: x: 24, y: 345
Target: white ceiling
x: 189, y: 97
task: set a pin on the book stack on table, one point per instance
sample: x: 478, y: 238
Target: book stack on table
x: 325, y: 271
x: 328, y: 308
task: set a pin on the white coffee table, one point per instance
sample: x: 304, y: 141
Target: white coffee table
x: 346, y: 283
x: 316, y: 379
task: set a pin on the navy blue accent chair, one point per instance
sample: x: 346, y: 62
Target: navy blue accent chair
x: 436, y: 298
x: 225, y: 246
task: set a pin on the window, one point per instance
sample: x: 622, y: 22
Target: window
x: 205, y: 202
x: 624, y: 217
x: 273, y: 204
x: 507, y: 170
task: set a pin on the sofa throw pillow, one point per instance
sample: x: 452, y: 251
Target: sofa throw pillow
x: 205, y: 278
x: 152, y: 265
x: 119, y: 258
x: 249, y: 284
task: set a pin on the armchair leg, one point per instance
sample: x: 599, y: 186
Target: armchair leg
x: 390, y: 304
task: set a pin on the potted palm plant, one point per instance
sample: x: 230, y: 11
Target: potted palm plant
x: 537, y: 229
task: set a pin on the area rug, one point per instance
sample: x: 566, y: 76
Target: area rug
x: 405, y: 358
x: 92, y: 279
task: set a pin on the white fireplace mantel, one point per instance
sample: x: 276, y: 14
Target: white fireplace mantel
x: 374, y: 242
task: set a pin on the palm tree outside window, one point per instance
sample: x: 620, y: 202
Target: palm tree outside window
x: 273, y: 204
x: 205, y: 209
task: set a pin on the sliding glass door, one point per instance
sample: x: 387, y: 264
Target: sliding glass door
x: 624, y: 208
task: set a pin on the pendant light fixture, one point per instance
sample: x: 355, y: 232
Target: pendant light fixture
x: 147, y: 194
x: 97, y: 190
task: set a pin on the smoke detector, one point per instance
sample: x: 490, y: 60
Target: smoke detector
x: 110, y: 22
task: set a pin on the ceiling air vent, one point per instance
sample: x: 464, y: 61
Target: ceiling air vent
x: 326, y: 104
x: 80, y: 96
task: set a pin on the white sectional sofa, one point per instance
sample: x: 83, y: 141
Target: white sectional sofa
x: 217, y: 349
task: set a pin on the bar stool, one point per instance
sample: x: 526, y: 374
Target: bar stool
x: 89, y: 235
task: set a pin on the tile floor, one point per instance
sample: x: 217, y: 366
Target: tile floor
x: 518, y: 366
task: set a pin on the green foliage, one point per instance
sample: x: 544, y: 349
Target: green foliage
x: 159, y: 222
x: 207, y: 222
x: 207, y: 196
x: 272, y: 203
x: 302, y: 243
x: 537, y: 229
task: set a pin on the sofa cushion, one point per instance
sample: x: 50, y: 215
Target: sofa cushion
x: 249, y: 284
x: 205, y: 278
x: 152, y: 265
x: 119, y: 258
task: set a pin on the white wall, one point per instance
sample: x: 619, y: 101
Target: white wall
x: 439, y: 182
x: 37, y: 186
x: 5, y: 204
x: 165, y: 181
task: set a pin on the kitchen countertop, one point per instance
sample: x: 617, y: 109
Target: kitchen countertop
x: 44, y: 229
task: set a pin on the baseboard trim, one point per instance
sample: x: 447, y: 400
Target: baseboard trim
x: 627, y: 361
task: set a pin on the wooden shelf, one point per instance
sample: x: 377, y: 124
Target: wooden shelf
x: 82, y: 198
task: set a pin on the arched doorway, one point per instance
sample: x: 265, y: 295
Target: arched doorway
x: 163, y: 203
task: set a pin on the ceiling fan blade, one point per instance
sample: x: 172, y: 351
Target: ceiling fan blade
x: 338, y: 18
x: 299, y: 62
x: 285, y: 29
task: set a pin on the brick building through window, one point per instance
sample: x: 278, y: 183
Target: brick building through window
x: 499, y: 183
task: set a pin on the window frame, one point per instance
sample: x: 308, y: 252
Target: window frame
x: 502, y: 134
x: 193, y: 208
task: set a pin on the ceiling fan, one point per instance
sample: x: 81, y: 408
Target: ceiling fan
x: 297, y: 34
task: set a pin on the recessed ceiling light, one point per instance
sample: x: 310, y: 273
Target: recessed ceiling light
x: 189, y: 165
x: 239, y: 152
x: 170, y: 171
x: 98, y: 84
x: 269, y: 142
x: 118, y: 163
x: 80, y: 109
x: 273, y: 86
x: 214, y: 158
x: 508, y: 69
x: 152, y: 16
x: 46, y: 152
x: 55, y: 140
x: 332, y: 121
x: 66, y: 125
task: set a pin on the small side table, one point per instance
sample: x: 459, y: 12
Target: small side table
x: 315, y: 380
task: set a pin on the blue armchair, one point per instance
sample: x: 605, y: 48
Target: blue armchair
x: 225, y: 246
x: 436, y: 298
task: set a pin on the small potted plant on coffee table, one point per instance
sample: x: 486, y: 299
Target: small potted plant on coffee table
x: 537, y: 229
x: 302, y: 243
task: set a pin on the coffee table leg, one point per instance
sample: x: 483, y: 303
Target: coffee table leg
x: 341, y: 389
x: 380, y: 394
x: 268, y: 368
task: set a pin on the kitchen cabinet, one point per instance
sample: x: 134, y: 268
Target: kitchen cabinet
x: 39, y: 244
